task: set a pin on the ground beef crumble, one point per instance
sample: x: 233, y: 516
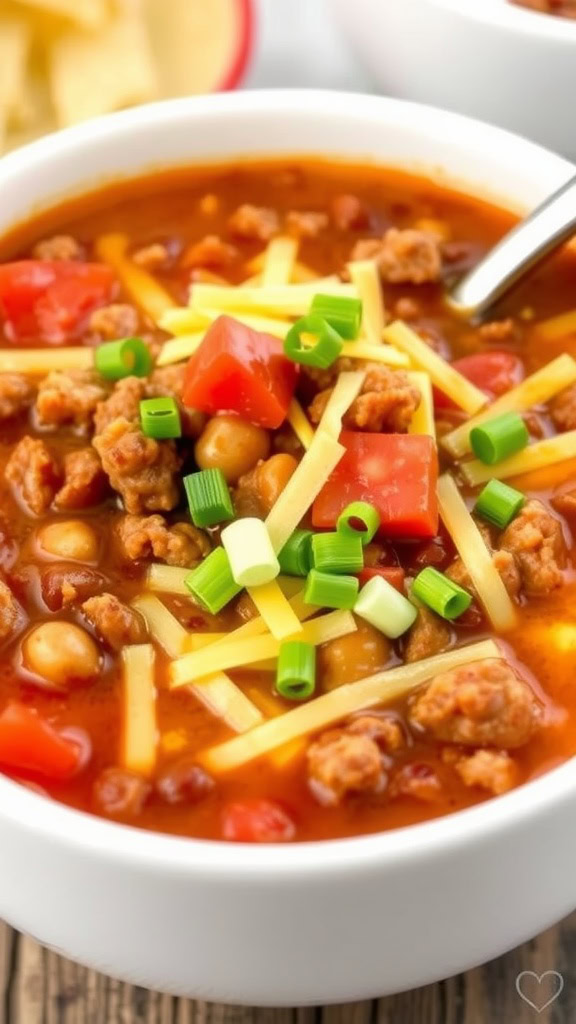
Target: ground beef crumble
x: 387, y: 401
x: 403, y: 256
x: 259, y: 223
x: 70, y: 397
x: 536, y: 541
x: 492, y: 770
x: 118, y: 320
x: 481, y: 704
x: 16, y: 394
x: 60, y: 247
x: 142, y: 470
x: 428, y: 636
x: 150, y: 537
x: 34, y: 474
x: 85, y: 482
x: 12, y: 616
x: 116, y: 623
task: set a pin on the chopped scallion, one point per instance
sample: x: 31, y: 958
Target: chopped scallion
x: 384, y: 607
x: 343, y: 313
x: 249, y: 548
x: 160, y: 418
x: 359, y: 519
x: 295, y: 558
x: 337, y: 553
x: 497, y: 439
x: 128, y: 357
x: 324, y: 347
x: 441, y: 594
x: 498, y: 503
x: 212, y: 583
x: 327, y: 590
x: 296, y: 670
x: 209, y: 497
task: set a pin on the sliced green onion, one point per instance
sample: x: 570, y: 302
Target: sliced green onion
x: 160, y: 418
x: 384, y: 607
x: 342, y: 313
x: 443, y: 596
x: 209, y: 498
x: 359, y: 519
x: 497, y: 439
x: 212, y: 583
x: 325, y: 348
x: 295, y: 558
x: 326, y: 590
x: 249, y: 548
x: 498, y: 503
x: 335, y: 552
x: 128, y: 357
x: 296, y: 670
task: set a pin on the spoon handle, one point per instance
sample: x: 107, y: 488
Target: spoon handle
x: 545, y: 229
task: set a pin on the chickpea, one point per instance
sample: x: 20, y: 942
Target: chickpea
x: 353, y: 656
x: 232, y: 445
x: 272, y: 477
x: 61, y: 652
x: 71, y: 539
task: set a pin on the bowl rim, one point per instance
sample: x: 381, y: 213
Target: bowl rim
x: 271, y: 863
x: 508, y: 16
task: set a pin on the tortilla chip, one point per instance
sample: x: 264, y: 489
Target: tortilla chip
x: 89, y: 14
x: 15, y: 37
x: 193, y: 42
x: 92, y: 73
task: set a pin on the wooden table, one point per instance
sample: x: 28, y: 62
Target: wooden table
x: 39, y: 987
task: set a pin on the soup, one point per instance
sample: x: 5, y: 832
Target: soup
x: 286, y: 545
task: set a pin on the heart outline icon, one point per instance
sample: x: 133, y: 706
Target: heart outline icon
x: 539, y: 978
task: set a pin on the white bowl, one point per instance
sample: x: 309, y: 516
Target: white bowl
x: 317, y: 922
x: 486, y: 58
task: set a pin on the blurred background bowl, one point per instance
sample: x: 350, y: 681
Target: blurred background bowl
x: 486, y: 58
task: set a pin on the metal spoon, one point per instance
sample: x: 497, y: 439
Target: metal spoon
x: 550, y: 224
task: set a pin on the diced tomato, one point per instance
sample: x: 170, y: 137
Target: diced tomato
x: 257, y: 821
x: 492, y: 372
x: 396, y: 473
x: 29, y: 743
x: 50, y: 300
x: 242, y: 371
x: 393, y: 574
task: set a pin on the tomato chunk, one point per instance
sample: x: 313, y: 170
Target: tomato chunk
x: 396, y: 473
x: 29, y: 743
x: 393, y: 574
x: 492, y: 372
x: 50, y: 300
x: 240, y: 370
x: 257, y: 821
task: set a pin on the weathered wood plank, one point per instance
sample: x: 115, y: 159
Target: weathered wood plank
x: 40, y: 987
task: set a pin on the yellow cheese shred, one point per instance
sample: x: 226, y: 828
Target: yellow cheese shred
x: 472, y: 549
x: 374, y: 353
x: 273, y: 708
x: 225, y: 700
x: 44, y: 360
x: 454, y: 384
x: 300, y: 423
x: 163, y: 626
x: 167, y: 579
x: 248, y: 650
x: 543, y: 453
x: 323, y: 711
x: 422, y: 421
x: 140, y: 734
x: 183, y: 320
x: 275, y: 609
x: 364, y: 275
x: 146, y: 292
x: 347, y: 388
x: 536, y: 389
x: 279, y: 261
x: 280, y: 300
x: 557, y: 326
x: 180, y: 348
x: 305, y: 484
